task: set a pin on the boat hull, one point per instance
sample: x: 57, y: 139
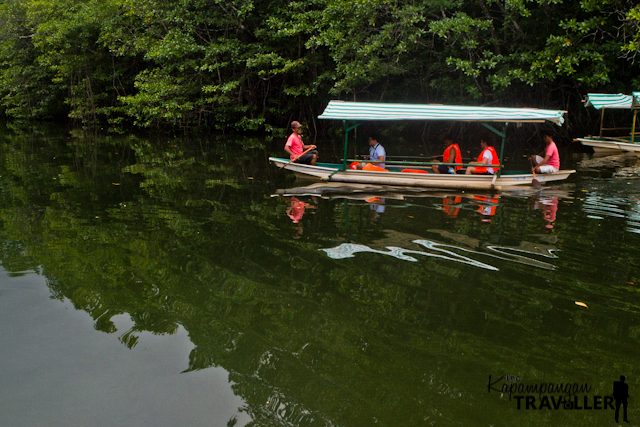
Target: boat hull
x: 332, y: 173
x: 610, y: 146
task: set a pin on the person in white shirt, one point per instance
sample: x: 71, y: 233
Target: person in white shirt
x: 376, y: 153
x: 487, y: 157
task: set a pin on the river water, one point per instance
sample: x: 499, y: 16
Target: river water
x: 148, y: 282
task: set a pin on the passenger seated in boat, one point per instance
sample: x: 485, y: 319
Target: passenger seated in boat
x: 296, y: 149
x: 548, y: 161
x: 487, y: 157
x: 376, y: 152
x: 451, y: 155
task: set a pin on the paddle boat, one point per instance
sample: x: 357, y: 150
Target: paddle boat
x: 404, y: 173
x: 602, y: 144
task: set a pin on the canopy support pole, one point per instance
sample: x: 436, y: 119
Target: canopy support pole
x: 347, y: 128
x: 502, y: 134
x: 346, y: 141
x: 633, y: 127
x: 601, y: 122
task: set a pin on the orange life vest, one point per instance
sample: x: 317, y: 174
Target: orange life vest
x: 487, y: 210
x: 371, y: 167
x: 414, y: 171
x: 446, y: 155
x: 496, y: 162
x: 452, y: 211
x: 373, y: 199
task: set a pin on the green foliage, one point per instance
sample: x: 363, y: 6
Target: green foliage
x: 633, y: 46
x: 533, y: 43
x: 254, y: 64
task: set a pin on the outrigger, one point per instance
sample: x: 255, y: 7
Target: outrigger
x: 613, y: 144
x: 354, y: 113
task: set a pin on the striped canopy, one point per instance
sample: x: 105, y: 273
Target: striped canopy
x: 606, y: 100
x: 343, y: 110
x: 636, y: 99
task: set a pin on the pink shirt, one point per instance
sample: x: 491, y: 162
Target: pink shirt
x: 295, y: 144
x: 552, y: 152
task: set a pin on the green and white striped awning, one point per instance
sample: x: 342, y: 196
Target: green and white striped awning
x: 636, y: 100
x: 607, y: 100
x: 343, y: 110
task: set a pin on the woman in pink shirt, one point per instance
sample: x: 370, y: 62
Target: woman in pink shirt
x: 294, y: 147
x: 547, y: 161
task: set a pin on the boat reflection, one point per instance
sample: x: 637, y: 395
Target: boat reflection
x: 468, y: 250
x: 333, y: 190
x: 613, y: 160
x: 599, y: 207
x: 376, y: 195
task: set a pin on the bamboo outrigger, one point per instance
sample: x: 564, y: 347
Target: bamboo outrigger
x: 358, y: 112
x: 614, y: 144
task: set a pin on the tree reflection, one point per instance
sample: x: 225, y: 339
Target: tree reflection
x: 184, y: 239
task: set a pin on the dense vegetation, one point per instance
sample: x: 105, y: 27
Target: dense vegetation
x: 255, y: 64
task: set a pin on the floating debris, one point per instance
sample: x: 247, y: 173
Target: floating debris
x: 581, y: 304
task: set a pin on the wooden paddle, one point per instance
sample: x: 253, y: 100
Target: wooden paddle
x: 534, y: 182
x: 303, y: 153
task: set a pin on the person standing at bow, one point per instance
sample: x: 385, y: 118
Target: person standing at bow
x: 487, y: 157
x: 295, y: 147
x: 451, y: 155
x: 548, y: 161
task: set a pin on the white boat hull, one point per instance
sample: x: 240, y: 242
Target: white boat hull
x: 610, y: 146
x: 329, y: 173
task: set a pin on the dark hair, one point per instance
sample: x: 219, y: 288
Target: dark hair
x: 488, y: 138
x: 374, y: 135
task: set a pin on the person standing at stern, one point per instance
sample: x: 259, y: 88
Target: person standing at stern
x: 547, y: 161
x: 295, y: 147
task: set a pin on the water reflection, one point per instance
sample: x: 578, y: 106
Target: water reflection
x: 467, y: 253
x: 487, y: 206
x: 333, y: 190
x: 599, y: 207
x: 361, y: 322
x: 612, y: 161
x: 451, y: 203
x: 295, y: 211
x: 548, y: 206
x: 376, y: 206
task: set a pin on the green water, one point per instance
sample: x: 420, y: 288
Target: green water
x: 173, y: 282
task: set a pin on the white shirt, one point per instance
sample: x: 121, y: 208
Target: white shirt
x: 487, y: 155
x: 376, y: 152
